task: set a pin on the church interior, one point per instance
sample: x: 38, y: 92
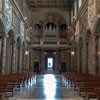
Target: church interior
x: 49, y: 50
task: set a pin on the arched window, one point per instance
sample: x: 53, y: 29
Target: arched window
x: 63, y: 28
x: 37, y: 29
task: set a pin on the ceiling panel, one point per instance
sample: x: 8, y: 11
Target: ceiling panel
x: 40, y: 4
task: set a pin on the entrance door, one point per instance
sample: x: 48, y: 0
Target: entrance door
x: 49, y: 63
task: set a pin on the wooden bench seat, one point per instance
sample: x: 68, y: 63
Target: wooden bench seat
x: 84, y: 83
x: 9, y: 83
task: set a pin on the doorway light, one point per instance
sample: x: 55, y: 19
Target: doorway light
x: 72, y: 53
x: 26, y: 52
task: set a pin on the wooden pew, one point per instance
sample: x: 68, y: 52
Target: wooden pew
x: 83, y: 82
x: 12, y: 81
x: 89, y: 89
x: 97, y: 90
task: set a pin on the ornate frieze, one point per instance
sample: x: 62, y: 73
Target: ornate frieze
x: 98, y: 6
x: 91, y: 12
x: 7, y: 14
x: 0, y: 8
x: 16, y: 21
x: 22, y: 29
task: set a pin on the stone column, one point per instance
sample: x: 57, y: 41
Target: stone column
x: 18, y: 59
x: 32, y: 59
x: 43, y: 61
x: 28, y: 59
x: 57, y: 33
x: 3, y: 55
x: 56, y: 60
x: 94, y: 55
x: 24, y: 61
x: 20, y: 62
x: 40, y: 60
x: 85, y: 57
x: 75, y: 59
x: 78, y: 59
x: 15, y: 69
x: 7, y: 68
x: 72, y: 62
x: 67, y: 60
x: 14, y: 58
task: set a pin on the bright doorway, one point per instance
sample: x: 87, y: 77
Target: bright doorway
x: 50, y: 63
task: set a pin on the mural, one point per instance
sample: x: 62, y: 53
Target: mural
x: 98, y: 6
x: 8, y: 13
x: 22, y: 29
x: 0, y: 6
x: 91, y: 12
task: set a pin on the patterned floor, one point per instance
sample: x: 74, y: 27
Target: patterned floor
x: 47, y: 87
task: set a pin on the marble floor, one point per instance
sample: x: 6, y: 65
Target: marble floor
x: 47, y: 87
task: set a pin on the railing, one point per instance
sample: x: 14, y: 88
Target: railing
x: 50, y: 41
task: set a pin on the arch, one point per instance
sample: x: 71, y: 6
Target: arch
x: 87, y: 34
x: 11, y: 36
x: 44, y: 13
x: 46, y: 17
x: 23, y: 44
x: 1, y: 27
x: 18, y: 54
x: 18, y: 41
x: 80, y: 41
x: 80, y: 53
x: 23, y: 56
x: 2, y: 34
x: 63, y: 26
x: 10, y: 50
x: 75, y: 45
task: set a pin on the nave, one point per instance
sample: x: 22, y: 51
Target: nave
x: 47, y: 87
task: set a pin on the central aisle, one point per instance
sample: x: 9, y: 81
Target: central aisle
x: 47, y: 87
